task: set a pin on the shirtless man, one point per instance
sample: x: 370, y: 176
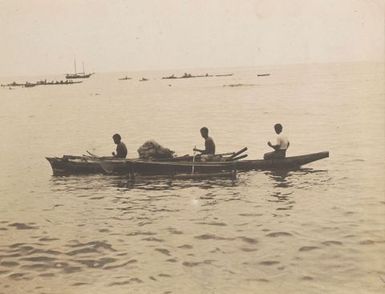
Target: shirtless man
x: 209, y: 143
x: 121, y: 149
x: 280, y: 147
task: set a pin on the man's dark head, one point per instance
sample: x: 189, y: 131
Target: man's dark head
x: 204, y: 132
x: 116, y: 138
x: 278, y: 128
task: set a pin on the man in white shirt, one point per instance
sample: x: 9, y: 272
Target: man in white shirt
x: 280, y: 147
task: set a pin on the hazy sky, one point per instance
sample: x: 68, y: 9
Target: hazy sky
x: 43, y: 36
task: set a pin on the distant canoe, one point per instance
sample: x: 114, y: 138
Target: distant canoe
x: 29, y: 85
x: 263, y: 75
x: 239, y: 85
x: 189, y: 76
x: 13, y: 84
x: 42, y: 83
x: 224, y: 75
x: 172, y: 77
x: 203, y: 76
x: 57, y: 83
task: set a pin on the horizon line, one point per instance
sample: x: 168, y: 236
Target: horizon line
x: 201, y: 67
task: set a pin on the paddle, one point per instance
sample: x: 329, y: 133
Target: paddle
x: 107, y: 167
x: 194, y: 154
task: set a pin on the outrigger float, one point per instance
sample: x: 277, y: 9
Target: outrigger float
x: 71, y: 165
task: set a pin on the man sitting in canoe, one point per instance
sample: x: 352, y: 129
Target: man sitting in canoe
x: 209, y: 143
x: 121, y: 149
x: 280, y: 147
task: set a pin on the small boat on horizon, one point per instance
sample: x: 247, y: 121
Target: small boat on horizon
x: 170, y: 77
x: 13, y: 84
x: 29, y: 85
x: 57, y: 83
x: 125, y: 78
x: 224, y: 75
x: 42, y: 83
x: 189, y: 76
x: 263, y: 75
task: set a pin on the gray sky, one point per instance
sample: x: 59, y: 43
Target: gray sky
x: 43, y: 36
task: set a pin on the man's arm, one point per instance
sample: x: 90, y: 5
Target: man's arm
x: 198, y: 150
x: 275, y: 147
x: 116, y: 154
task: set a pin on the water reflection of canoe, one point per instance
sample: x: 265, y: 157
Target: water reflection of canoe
x: 88, y: 165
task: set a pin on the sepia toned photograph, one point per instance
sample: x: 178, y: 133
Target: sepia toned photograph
x: 192, y: 146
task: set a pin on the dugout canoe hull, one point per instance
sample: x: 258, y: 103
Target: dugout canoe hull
x: 72, y: 165
x: 146, y: 167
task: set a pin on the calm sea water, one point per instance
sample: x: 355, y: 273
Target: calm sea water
x: 317, y: 230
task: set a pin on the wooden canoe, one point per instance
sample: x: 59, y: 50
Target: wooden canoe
x: 68, y: 165
x: 147, y: 167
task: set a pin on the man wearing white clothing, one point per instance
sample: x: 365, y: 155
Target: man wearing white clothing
x: 280, y: 147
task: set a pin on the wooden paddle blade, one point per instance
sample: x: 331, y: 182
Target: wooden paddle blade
x: 106, y: 166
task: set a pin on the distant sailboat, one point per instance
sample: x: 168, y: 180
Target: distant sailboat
x: 76, y: 75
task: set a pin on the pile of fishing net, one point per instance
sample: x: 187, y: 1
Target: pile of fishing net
x: 152, y: 150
